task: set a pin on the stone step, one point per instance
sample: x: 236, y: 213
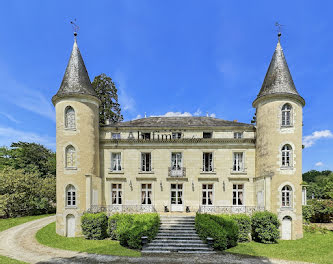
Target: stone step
x: 177, y: 228
x: 187, y: 241
x: 177, y: 223
x: 176, y: 248
x: 180, y: 231
x: 177, y: 237
x: 180, y: 251
x: 180, y: 245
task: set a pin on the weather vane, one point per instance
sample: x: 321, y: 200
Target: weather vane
x: 75, y: 27
x: 278, y: 26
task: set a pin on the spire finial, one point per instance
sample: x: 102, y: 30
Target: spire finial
x: 278, y: 26
x: 75, y: 28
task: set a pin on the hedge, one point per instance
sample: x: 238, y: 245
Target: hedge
x: 318, y: 211
x: 265, y: 227
x: 244, y: 226
x: 230, y: 226
x: 94, y: 226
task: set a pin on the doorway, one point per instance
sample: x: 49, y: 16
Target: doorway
x: 70, y: 225
x: 177, y: 197
x: 286, y: 228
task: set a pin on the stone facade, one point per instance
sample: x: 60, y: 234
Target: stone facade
x: 159, y: 164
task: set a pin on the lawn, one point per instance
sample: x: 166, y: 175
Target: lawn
x: 5, y: 260
x: 10, y: 222
x: 317, y: 248
x: 47, y: 236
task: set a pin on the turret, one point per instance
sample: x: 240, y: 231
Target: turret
x: 279, y: 146
x: 77, y: 134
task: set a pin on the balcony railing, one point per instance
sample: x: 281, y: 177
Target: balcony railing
x: 119, y: 208
x: 177, y: 173
x: 230, y: 209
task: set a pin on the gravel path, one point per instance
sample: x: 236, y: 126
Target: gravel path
x: 19, y: 243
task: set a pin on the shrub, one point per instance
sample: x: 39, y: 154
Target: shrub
x: 244, y: 227
x: 112, y: 226
x: 308, y: 213
x: 315, y: 229
x: 230, y: 226
x: 94, y: 226
x: 322, y: 211
x: 124, y: 224
x: 265, y: 227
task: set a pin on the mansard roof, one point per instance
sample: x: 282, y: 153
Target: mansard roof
x: 278, y: 80
x: 76, y: 79
x: 180, y: 122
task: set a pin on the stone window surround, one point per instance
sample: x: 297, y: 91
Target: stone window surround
x: 65, y: 156
x: 121, y: 162
x: 293, y: 197
x: 65, y: 186
x: 292, y: 157
x: 65, y: 118
x: 243, y: 171
x: 207, y: 190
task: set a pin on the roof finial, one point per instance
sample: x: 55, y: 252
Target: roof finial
x: 278, y: 29
x: 75, y: 28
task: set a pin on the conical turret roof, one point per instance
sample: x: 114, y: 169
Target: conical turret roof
x: 76, y: 79
x: 278, y: 79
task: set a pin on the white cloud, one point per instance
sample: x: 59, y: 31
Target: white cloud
x: 197, y: 113
x: 319, y: 164
x: 212, y: 115
x: 10, y: 117
x: 172, y: 114
x: 310, y: 140
x: 9, y: 135
x: 138, y: 117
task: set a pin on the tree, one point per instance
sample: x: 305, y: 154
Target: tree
x: 30, y: 157
x: 108, y: 94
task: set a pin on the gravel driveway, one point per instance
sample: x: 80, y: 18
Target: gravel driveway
x: 19, y: 243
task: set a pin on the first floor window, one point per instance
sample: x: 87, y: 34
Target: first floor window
x: 237, y: 194
x: 238, y: 162
x: 207, y: 194
x: 146, y: 193
x: 176, y: 161
x: 116, y: 193
x: 116, y: 161
x: 70, y: 157
x: 70, y: 196
x: 207, y: 161
x: 146, y: 161
x: 286, y: 196
x: 286, y: 115
x: 286, y: 156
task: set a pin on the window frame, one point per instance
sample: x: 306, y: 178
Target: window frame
x: 115, y: 137
x: 178, y: 165
x: 148, y: 194
x: 205, y: 134
x: 143, y: 160
x: 285, y: 114
x: 71, y: 196
x: 117, y: 162
x: 176, y: 135
x: 67, y: 108
x: 73, y: 157
x: 118, y: 189
x: 238, y: 135
x: 206, y: 191
x: 236, y: 161
x: 210, y: 162
x: 238, y: 191
x: 287, y: 156
x: 286, y: 196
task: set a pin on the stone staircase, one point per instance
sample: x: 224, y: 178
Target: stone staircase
x: 177, y: 234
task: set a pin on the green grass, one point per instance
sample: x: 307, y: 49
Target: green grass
x: 317, y: 248
x: 47, y: 236
x: 10, y: 222
x: 5, y: 260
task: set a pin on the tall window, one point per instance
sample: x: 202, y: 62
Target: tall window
x: 238, y: 162
x: 237, y: 194
x: 69, y: 118
x: 286, y: 196
x: 207, y: 162
x: 146, y: 161
x: 286, y: 115
x: 116, y: 193
x: 207, y: 194
x: 70, y: 157
x: 70, y: 196
x: 116, y: 161
x: 176, y: 161
x: 146, y: 193
x: 286, y: 156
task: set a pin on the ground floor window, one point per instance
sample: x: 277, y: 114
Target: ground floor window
x: 146, y: 193
x: 70, y: 196
x: 237, y: 194
x: 207, y: 194
x: 116, y: 193
x: 286, y: 196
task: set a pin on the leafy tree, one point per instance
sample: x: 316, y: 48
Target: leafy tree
x: 108, y: 94
x: 31, y: 157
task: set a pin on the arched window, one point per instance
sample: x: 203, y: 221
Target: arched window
x: 286, y: 156
x: 286, y: 115
x: 70, y: 157
x: 286, y: 196
x: 70, y: 195
x: 69, y: 118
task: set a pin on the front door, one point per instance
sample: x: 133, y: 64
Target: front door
x: 177, y: 197
x: 286, y: 228
x: 70, y: 225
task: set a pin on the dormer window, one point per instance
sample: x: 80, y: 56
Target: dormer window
x: 145, y: 135
x: 207, y: 135
x: 115, y: 135
x: 70, y: 118
x: 238, y: 135
x: 176, y: 135
x: 286, y: 115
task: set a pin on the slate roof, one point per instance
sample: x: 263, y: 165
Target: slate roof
x: 76, y: 79
x: 180, y: 121
x: 278, y: 79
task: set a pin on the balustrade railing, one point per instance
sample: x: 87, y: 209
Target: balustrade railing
x: 177, y: 173
x: 230, y: 209
x: 119, y: 208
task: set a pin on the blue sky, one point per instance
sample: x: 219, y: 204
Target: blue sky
x: 167, y: 56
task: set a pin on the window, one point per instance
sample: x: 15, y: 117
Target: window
x: 116, y: 193
x: 145, y: 193
x: 115, y: 135
x: 70, y: 196
x: 207, y: 162
x: 176, y: 161
x: 238, y: 135
x: 176, y: 135
x: 116, y: 161
x: 207, y: 135
x: 238, y: 162
x: 286, y: 196
x: 286, y: 115
x: 146, y: 161
x: 145, y: 135
x: 237, y: 194
x: 69, y: 118
x: 286, y: 156
x: 207, y: 194
x: 70, y: 157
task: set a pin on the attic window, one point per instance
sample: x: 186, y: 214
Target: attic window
x: 238, y: 135
x: 207, y: 134
x: 115, y: 135
x: 176, y: 135
x: 145, y: 135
